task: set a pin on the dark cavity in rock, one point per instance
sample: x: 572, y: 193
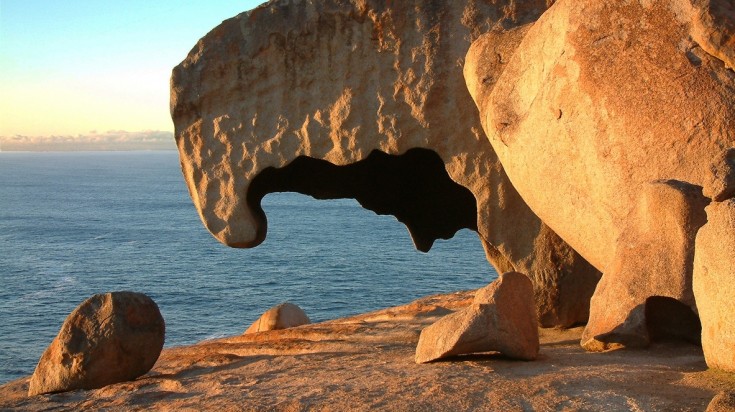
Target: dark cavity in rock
x: 414, y: 187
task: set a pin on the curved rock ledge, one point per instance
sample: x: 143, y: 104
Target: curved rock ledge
x: 310, y: 88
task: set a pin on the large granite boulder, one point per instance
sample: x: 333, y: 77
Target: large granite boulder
x: 599, y: 104
x: 363, y: 99
x: 501, y: 319
x: 283, y: 316
x: 109, y: 338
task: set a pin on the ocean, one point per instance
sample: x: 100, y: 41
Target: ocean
x: 76, y: 224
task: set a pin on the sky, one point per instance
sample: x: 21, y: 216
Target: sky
x: 94, y: 67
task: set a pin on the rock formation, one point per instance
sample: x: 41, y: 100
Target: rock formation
x: 714, y: 289
x: 363, y: 99
x: 283, y: 316
x: 109, y: 338
x: 501, y: 319
x: 599, y: 103
x: 654, y: 259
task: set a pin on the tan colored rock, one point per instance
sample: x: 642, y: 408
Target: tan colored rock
x: 283, y: 316
x: 654, y: 259
x: 363, y: 99
x: 721, y: 182
x: 723, y: 402
x: 501, y: 318
x: 713, y: 28
x: 109, y: 338
x: 599, y: 100
x: 714, y: 284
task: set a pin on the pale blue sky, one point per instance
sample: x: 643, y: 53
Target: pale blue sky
x: 71, y: 67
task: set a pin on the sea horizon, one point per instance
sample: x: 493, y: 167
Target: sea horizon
x: 73, y: 224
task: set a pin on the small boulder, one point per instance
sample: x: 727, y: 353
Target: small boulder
x: 109, y: 338
x: 501, y: 318
x: 283, y: 316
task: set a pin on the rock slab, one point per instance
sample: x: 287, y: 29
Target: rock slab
x: 501, y: 318
x: 283, y: 316
x: 109, y: 338
x: 714, y: 284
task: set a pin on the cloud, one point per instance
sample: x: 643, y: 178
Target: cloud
x: 110, y: 140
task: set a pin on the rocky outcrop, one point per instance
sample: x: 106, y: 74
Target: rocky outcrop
x: 109, y: 338
x: 599, y: 101
x: 363, y: 99
x: 501, y: 319
x: 714, y: 290
x: 366, y: 362
x: 283, y: 316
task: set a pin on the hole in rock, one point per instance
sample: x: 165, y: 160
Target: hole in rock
x: 335, y: 258
x: 669, y: 319
x: 414, y: 187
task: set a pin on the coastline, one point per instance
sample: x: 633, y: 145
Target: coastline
x: 366, y: 362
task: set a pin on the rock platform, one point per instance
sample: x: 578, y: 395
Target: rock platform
x: 367, y: 362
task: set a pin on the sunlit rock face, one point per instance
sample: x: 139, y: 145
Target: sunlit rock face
x: 363, y: 99
x: 109, y: 338
x: 615, y: 122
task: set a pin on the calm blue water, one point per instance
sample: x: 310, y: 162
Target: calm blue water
x: 76, y: 224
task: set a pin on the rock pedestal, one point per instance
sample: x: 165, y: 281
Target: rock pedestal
x: 109, y: 338
x: 654, y: 259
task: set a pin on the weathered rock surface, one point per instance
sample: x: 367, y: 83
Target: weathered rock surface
x: 366, y: 362
x: 363, y: 99
x: 502, y: 318
x: 109, y: 338
x: 283, y: 316
x: 654, y: 259
x: 599, y: 101
x: 723, y: 402
x: 714, y: 284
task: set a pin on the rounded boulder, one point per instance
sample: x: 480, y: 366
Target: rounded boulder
x: 109, y: 338
x: 283, y: 316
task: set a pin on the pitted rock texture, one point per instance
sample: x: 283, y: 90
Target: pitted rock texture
x: 501, y: 319
x: 283, y: 316
x: 598, y: 101
x: 109, y: 338
x: 723, y: 402
x: 316, y: 87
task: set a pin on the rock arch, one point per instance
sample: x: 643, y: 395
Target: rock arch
x: 336, y: 80
x: 414, y: 187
